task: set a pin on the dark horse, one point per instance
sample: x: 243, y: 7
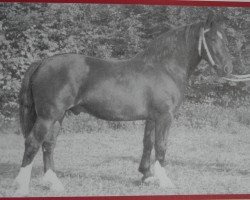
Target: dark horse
x: 148, y: 87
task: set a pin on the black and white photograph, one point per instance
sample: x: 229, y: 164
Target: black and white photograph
x: 112, y: 99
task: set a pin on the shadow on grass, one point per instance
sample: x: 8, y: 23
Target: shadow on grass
x: 212, y: 167
x: 104, y: 176
x: 120, y: 179
x: 10, y: 170
x: 115, y: 159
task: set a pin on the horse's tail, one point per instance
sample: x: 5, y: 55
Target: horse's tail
x: 27, y: 113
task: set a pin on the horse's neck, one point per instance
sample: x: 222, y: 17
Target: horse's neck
x: 176, y: 50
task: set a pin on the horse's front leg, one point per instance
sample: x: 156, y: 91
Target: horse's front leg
x: 148, y: 143
x: 48, y: 147
x: 163, y: 123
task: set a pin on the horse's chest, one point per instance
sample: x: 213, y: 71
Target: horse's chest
x: 166, y: 94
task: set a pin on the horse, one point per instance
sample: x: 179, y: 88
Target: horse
x: 149, y: 86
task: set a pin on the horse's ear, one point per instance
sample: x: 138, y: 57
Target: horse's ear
x: 211, y: 17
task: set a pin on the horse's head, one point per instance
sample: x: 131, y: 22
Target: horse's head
x: 213, y: 46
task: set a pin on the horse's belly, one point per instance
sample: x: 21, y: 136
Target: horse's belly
x: 124, y: 113
x: 116, y: 104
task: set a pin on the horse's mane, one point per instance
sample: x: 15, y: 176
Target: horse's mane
x: 167, y: 42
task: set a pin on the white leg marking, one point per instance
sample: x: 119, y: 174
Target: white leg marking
x: 22, y: 181
x: 160, y: 174
x: 54, y: 183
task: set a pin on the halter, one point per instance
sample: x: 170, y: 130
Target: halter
x: 202, y: 40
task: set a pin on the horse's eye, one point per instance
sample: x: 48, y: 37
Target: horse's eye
x: 214, y: 39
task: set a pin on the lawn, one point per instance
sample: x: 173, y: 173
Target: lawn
x: 208, y: 153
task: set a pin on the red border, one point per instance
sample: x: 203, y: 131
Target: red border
x: 162, y: 197
x: 225, y: 3
x: 154, y: 197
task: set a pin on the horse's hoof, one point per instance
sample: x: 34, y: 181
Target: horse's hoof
x: 164, y: 180
x: 149, y: 178
x: 52, y: 181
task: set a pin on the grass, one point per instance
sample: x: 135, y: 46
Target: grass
x: 208, y: 153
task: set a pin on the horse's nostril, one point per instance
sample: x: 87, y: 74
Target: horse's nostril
x: 228, y: 69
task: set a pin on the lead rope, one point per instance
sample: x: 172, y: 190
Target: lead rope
x: 202, y: 40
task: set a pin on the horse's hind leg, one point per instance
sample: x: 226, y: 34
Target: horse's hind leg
x: 48, y: 147
x: 163, y: 124
x: 48, y: 160
x: 32, y: 145
x: 148, y: 143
